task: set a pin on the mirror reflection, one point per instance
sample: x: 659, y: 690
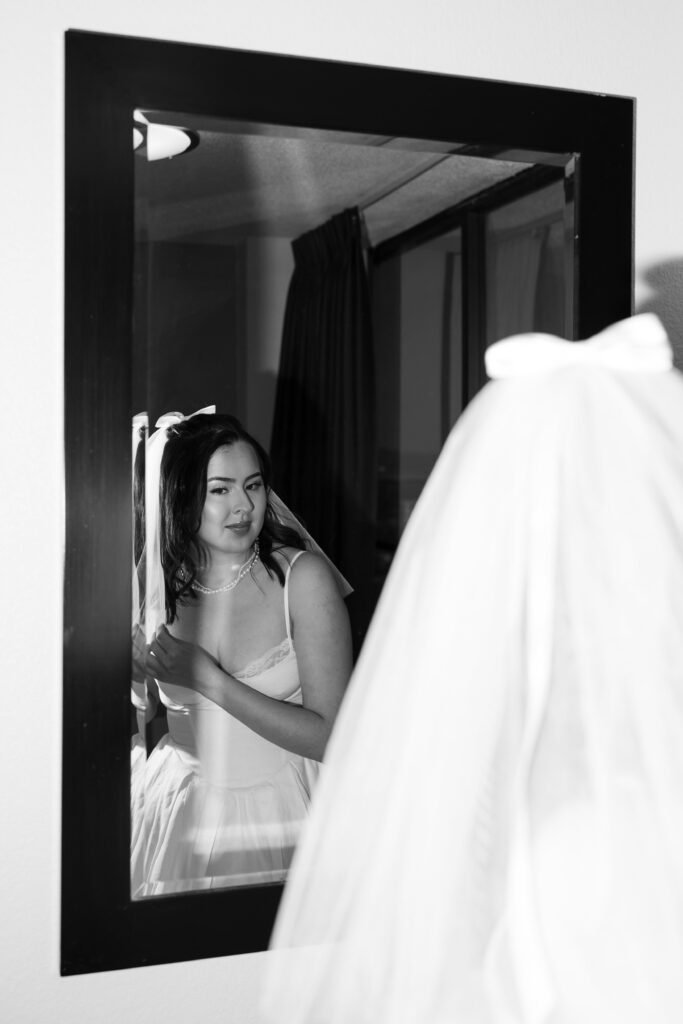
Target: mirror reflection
x: 324, y: 300
x: 249, y: 652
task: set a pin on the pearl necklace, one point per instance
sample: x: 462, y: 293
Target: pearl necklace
x: 247, y: 567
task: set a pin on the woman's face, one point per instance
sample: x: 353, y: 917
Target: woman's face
x: 235, y: 503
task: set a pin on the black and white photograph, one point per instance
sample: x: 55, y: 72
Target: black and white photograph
x: 344, y: 442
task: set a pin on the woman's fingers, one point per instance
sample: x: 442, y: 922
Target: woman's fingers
x: 161, y: 653
x: 156, y: 658
x: 162, y: 638
x: 165, y: 643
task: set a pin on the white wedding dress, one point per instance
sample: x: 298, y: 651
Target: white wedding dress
x: 222, y: 805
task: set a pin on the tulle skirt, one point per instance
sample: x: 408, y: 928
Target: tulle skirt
x: 198, y: 834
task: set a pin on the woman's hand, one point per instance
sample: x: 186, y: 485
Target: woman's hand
x: 144, y: 693
x: 178, y: 662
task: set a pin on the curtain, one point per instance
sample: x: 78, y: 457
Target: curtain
x: 323, y: 441
x: 514, y: 263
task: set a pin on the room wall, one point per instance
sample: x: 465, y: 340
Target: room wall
x: 270, y: 264
x: 189, y: 300
x: 630, y: 48
x: 422, y: 298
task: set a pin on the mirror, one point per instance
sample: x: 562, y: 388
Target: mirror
x: 482, y: 208
x: 236, y: 241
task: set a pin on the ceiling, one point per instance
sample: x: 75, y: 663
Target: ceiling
x: 247, y: 180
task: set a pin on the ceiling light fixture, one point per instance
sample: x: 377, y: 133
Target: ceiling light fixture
x: 161, y: 141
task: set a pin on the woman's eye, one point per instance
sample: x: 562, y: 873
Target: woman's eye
x: 219, y: 490
x: 255, y: 486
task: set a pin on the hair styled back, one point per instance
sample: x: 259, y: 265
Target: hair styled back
x: 182, y: 493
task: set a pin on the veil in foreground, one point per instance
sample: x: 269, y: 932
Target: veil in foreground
x: 498, y: 836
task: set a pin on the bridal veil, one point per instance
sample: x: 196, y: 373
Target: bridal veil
x: 498, y: 835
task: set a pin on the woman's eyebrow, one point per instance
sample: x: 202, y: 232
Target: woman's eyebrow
x: 231, y: 480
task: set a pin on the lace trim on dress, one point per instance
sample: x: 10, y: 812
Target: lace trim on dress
x: 266, y: 661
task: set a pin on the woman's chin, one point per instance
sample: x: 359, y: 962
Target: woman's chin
x: 238, y: 543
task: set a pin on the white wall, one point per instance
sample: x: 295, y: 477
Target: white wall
x: 631, y: 48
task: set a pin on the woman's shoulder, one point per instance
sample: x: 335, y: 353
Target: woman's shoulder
x: 310, y: 577
x: 310, y: 573
x: 302, y: 560
x: 286, y: 555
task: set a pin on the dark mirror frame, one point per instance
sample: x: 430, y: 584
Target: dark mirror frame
x: 106, y: 78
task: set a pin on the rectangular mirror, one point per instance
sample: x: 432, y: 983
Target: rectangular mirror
x: 224, y: 232
x: 482, y: 209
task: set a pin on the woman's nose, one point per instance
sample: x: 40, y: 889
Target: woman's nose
x: 243, y: 503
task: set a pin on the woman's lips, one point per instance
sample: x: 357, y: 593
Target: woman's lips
x: 240, y: 527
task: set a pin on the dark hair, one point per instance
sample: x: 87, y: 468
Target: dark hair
x: 182, y: 493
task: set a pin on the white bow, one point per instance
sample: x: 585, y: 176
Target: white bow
x: 637, y: 345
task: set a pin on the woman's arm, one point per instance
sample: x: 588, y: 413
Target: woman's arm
x: 322, y: 641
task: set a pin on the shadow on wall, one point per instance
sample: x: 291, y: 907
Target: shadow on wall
x: 666, y: 283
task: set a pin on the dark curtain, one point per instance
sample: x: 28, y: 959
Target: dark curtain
x: 323, y: 444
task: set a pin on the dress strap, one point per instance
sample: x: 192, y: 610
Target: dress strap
x: 288, y: 623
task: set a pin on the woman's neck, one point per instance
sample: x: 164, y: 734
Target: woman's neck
x: 223, y: 567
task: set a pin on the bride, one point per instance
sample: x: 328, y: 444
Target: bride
x: 251, y: 660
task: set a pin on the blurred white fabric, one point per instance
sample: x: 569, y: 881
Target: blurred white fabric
x: 498, y: 836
